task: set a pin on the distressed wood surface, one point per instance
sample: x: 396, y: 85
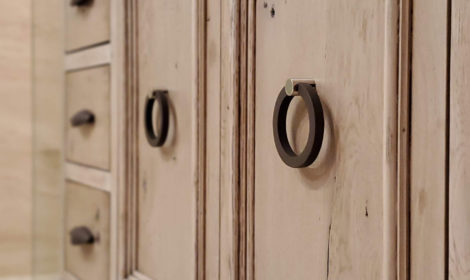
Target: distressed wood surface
x: 428, y: 141
x: 336, y: 219
x: 229, y: 138
x: 168, y: 176
x: 459, y: 177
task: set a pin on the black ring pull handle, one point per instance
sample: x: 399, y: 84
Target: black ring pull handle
x: 310, y: 96
x: 157, y: 139
x: 81, y: 236
x: 82, y: 117
x: 80, y: 2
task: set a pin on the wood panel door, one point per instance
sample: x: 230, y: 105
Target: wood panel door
x: 165, y: 204
x: 336, y: 218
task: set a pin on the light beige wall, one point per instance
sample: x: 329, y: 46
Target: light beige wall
x: 15, y: 138
x: 48, y: 112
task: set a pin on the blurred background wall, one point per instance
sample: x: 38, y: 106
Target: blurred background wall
x: 48, y: 111
x: 31, y: 139
x: 15, y: 139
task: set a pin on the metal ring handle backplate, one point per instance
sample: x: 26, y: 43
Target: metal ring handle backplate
x: 316, y: 126
x: 157, y: 139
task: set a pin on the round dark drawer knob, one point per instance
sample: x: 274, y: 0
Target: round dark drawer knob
x: 157, y: 139
x: 82, y: 117
x: 81, y: 236
x: 309, y: 95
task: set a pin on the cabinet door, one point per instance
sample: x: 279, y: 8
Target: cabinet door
x: 336, y: 218
x: 166, y: 191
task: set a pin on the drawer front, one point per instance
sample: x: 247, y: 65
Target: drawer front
x: 87, y: 24
x: 87, y: 207
x: 88, y: 91
x: 328, y: 220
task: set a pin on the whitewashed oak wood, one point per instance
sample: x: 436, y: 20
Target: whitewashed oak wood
x: 335, y: 220
x: 87, y: 25
x: 428, y: 140
x: 459, y: 146
x: 229, y: 137
x: 89, y: 144
x: 85, y: 206
x: 166, y: 190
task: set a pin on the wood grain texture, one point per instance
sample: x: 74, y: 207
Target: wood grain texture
x: 250, y: 134
x: 15, y: 138
x: 213, y: 122
x: 428, y: 140
x: 335, y: 220
x: 88, y: 207
x: 90, y: 144
x: 131, y: 144
x: 229, y: 138
x: 168, y: 176
x: 459, y: 177
x: 87, y: 25
x: 390, y: 134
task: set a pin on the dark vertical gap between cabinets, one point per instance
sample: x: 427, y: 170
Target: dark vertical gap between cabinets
x: 238, y: 141
x: 202, y: 145
x: 135, y: 77
x: 447, y: 140
x: 410, y: 129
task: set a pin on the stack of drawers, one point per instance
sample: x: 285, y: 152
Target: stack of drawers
x: 88, y: 122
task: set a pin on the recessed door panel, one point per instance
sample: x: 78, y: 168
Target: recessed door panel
x: 166, y: 194
x: 325, y: 221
